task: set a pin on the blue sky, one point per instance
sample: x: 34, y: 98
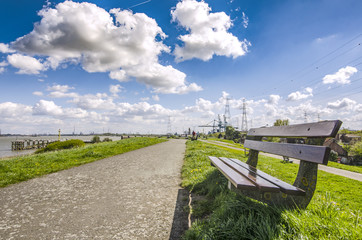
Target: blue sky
x: 127, y: 66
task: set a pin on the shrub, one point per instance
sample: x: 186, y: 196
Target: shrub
x: 96, y: 139
x: 107, y: 140
x: 356, y: 149
x: 333, y: 156
x: 62, y: 145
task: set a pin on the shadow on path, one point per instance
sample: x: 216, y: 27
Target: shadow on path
x: 180, y: 217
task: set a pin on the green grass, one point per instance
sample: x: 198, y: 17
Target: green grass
x: 229, y: 142
x: 334, y: 212
x: 19, y: 169
x: 357, y: 169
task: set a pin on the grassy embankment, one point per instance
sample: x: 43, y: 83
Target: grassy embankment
x: 357, y: 169
x: 23, y: 168
x: 334, y: 212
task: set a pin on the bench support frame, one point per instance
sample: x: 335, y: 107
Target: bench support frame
x: 306, y: 180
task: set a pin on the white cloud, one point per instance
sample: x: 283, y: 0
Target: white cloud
x: 156, y: 98
x: 25, y: 64
x: 2, y: 65
x: 273, y: 99
x: 115, y: 89
x: 245, y: 20
x: 60, y: 88
x: 119, y: 75
x: 37, y: 93
x: 345, y: 103
x: 44, y: 107
x: 208, y: 33
x: 98, y: 101
x: 9, y: 109
x: 296, y: 96
x: 341, y: 77
x: 4, y: 48
x: 119, y: 42
x: 61, y: 91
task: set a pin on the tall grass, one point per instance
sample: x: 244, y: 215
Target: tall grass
x: 23, y: 168
x: 222, y: 214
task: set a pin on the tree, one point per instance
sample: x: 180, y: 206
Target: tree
x: 229, y: 132
x: 280, y: 122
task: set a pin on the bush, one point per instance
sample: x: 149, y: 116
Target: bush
x: 62, y: 145
x: 96, y: 139
x: 356, y: 149
x: 333, y: 156
x: 107, y: 140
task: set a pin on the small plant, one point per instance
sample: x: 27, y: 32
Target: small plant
x: 107, y: 140
x: 62, y: 145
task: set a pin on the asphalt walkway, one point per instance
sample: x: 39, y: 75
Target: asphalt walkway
x: 135, y: 195
x: 337, y: 171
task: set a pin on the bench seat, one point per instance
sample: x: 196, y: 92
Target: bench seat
x: 246, y: 177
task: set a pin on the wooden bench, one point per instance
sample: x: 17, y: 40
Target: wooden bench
x: 248, y: 180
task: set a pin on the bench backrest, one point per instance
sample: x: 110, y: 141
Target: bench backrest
x: 310, y: 153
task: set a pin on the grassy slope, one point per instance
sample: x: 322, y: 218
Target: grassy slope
x: 334, y: 212
x: 19, y: 169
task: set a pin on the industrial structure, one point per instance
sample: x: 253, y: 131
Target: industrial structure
x: 244, y: 121
x: 220, y: 124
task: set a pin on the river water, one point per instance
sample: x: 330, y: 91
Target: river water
x: 5, y: 143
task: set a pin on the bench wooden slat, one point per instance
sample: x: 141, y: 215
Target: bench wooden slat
x: 260, y: 182
x: 310, y: 153
x: 319, y: 129
x: 235, y: 178
x: 284, y: 187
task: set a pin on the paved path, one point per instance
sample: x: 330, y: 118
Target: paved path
x: 341, y: 172
x: 135, y: 195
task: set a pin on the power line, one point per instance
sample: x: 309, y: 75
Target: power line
x: 295, y: 76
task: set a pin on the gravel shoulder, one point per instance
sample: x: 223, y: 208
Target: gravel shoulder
x: 135, y: 195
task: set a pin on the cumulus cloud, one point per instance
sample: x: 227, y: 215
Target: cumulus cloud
x: 341, y: 77
x: 4, y: 48
x: 61, y: 91
x: 60, y: 88
x: 119, y: 75
x: 37, y: 93
x: 273, y: 99
x: 10, y: 109
x: 295, y: 96
x: 25, y: 64
x: 115, y: 89
x: 345, y: 103
x: 119, y: 42
x: 156, y: 98
x: 44, y: 107
x: 208, y: 33
x: 99, y: 101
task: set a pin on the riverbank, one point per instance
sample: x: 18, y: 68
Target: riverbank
x: 5, y: 143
